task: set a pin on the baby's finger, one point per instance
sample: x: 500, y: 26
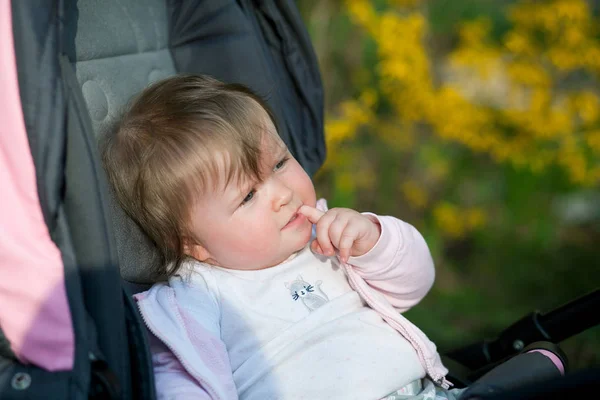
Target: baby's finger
x: 316, y: 248
x: 311, y: 213
x: 322, y: 230
x: 336, y: 229
x: 347, y: 239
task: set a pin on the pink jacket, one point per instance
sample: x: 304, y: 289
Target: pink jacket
x: 391, y: 278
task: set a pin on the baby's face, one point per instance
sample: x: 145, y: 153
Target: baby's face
x: 249, y: 227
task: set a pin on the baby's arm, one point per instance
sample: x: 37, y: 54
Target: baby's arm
x: 399, y: 265
x: 389, y: 254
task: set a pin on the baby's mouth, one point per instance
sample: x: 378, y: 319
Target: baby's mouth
x: 294, y: 217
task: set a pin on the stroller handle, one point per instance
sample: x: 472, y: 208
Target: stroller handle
x: 573, y: 317
x: 555, y: 326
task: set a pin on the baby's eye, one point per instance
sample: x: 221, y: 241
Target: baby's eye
x: 281, y: 164
x: 248, y: 197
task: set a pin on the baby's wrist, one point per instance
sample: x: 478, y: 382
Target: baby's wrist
x: 376, y: 231
x: 372, y: 237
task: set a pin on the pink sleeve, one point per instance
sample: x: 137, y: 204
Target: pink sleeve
x: 399, y: 265
x: 189, y: 358
x: 34, y: 312
x: 171, y: 379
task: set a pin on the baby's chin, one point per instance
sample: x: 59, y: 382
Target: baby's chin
x: 289, y: 256
x: 305, y: 240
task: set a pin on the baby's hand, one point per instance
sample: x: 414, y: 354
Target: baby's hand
x: 351, y: 233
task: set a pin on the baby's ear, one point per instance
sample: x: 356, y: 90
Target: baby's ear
x: 195, y: 250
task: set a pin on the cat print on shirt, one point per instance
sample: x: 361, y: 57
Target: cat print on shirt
x: 311, y: 296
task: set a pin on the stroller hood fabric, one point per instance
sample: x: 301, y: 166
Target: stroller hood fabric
x: 73, y: 331
x: 32, y: 288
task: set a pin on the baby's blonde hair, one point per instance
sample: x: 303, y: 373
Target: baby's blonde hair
x: 172, y: 144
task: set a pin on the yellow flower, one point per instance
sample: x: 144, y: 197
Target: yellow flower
x: 415, y: 195
x: 448, y: 220
x: 572, y: 10
x: 406, y: 3
x: 519, y: 42
x: 398, y: 136
x: 345, y: 182
x: 365, y: 178
x: 475, y: 50
x: 536, y: 123
x: 456, y: 223
x: 362, y: 12
x: 337, y: 131
x: 593, y: 141
x: 528, y: 73
x: 475, y: 218
x: 586, y: 106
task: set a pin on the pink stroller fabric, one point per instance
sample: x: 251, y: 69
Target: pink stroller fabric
x: 34, y: 311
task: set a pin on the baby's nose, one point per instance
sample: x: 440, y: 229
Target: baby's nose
x: 282, y: 195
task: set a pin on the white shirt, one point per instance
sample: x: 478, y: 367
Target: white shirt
x: 300, y: 331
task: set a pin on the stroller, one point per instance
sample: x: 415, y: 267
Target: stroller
x: 67, y: 68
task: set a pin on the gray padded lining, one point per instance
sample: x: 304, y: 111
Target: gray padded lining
x: 121, y: 47
x: 110, y: 28
x: 109, y: 83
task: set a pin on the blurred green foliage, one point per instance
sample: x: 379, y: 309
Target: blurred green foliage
x: 476, y: 121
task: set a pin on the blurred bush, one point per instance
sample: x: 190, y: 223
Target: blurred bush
x: 477, y: 121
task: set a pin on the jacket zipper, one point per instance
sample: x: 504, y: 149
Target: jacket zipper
x: 188, y: 367
x: 437, y: 378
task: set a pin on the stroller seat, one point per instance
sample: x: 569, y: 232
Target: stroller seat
x: 120, y: 48
x: 123, y: 46
x: 78, y: 64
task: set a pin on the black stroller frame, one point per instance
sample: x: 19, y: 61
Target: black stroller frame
x: 555, y: 326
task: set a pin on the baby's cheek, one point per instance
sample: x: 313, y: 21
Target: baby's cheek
x: 257, y: 247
